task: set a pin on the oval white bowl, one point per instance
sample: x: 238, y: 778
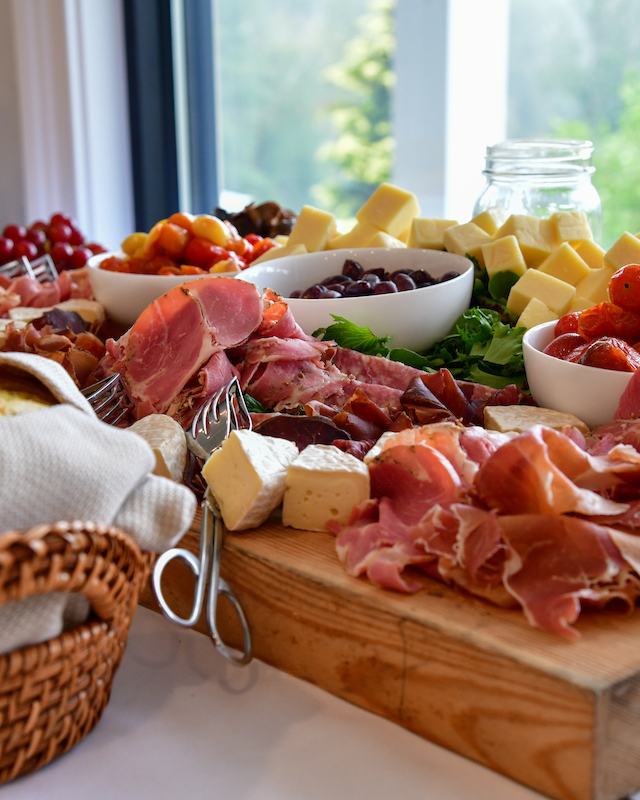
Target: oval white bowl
x: 416, y: 319
x: 591, y: 393
x: 125, y: 296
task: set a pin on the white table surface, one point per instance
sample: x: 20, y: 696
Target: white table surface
x: 182, y: 724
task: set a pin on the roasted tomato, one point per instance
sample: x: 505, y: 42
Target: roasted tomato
x: 564, y: 344
x: 608, y: 319
x: 567, y: 324
x: 624, y: 287
x: 610, y: 353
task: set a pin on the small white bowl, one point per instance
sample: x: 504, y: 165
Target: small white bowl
x: 415, y: 319
x: 126, y: 295
x: 590, y: 393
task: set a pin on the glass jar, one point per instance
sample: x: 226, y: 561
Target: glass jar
x: 541, y: 176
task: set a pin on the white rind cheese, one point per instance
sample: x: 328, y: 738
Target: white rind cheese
x: 168, y: 442
x: 323, y: 484
x: 247, y: 477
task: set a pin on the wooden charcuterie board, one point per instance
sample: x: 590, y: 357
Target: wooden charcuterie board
x: 561, y: 717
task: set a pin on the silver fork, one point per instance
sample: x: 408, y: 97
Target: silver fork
x: 223, y: 412
x: 109, y: 399
x: 41, y: 269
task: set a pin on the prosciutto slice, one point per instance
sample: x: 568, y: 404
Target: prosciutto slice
x: 178, y: 333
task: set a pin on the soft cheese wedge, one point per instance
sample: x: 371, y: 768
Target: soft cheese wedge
x: 168, y: 442
x: 247, y: 477
x: 517, y: 419
x: 323, y: 484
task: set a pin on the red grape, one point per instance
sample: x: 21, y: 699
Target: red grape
x: 15, y: 232
x: 76, y: 237
x: 37, y: 236
x: 61, y: 252
x: 79, y: 258
x: 60, y: 233
x: 39, y: 226
x: 6, y: 248
x: 60, y: 219
x: 25, y: 248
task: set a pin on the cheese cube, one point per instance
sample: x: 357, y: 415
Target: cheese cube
x: 428, y: 233
x: 571, y: 226
x: 359, y: 236
x: 323, y: 484
x: 626, y: 250
x: 595, y: 286
x: 535, y: 313
x: 535, y: 236
x: 466, y: 239
x: 565, y: 263
x: 313, y: 228
x: 490, y: 220
x: 168, y: 442
x: 382, y: 239
x: 580, y: 304
x: 591, y: 253
x: 503, y: 254
x: 282, y: 239
x: 280, y: 252
x: 389, y: 208
x: 555, y: 294
x: 247, y: 475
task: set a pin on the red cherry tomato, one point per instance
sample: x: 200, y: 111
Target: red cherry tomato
x: 595, y: 321
x: 609, y: 353
x: 202, y: 253
x: 563, y: 345
x: 624, y: 287
x: 567, y: 324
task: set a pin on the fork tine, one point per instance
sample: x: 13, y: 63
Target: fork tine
x: 97, y: 389
x: 108, y: 397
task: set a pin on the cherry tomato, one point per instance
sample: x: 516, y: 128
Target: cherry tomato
x: 261, y: 247
x: 624, y: 287
x: 567, y: 324
x: 610, y: 353
x: 563, y: 345
x: 253, y: 238
x: 202, y: 253
x: 594, y: 321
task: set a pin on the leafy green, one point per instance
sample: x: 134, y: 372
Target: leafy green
x: 348, y: 334
x: 253, y: 405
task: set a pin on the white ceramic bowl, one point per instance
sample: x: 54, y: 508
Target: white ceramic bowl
x: 416, y: 319
x: 125, y: 296
x: 591, y: 393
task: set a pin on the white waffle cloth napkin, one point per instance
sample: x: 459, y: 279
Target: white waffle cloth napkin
x: 63, y: 464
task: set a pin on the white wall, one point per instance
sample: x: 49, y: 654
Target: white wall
x: 64, y: 83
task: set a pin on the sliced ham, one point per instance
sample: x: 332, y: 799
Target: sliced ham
x: 178, y: 333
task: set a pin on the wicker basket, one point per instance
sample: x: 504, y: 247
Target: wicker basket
x: 52, y: 694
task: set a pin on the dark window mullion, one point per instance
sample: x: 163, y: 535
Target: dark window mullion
x: 151, y: 110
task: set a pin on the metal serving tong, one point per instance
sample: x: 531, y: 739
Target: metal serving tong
x: 41, y: 269
x: 109, y: 399
x: 214, y: 421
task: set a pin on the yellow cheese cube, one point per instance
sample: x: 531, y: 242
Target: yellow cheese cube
x: 535, y: 236
x: 313, y: 228
x: 566, y: 264
x: 359, y: 236
x: 466, y: 239
x: 382, y: 239
x: 281, y: 238
x: 280, y: 252
x: 571, y: 226
x: 389, y: 208
x: 535, y: 313
x: 591, y: 253
x: 555, y: 294
x: 490, y: 220
x: 503, y: 254
x: 428, y: 233
x: 580, y: 304
x: 595, y: 286
x: 626, y: 250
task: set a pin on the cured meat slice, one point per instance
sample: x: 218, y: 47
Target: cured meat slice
x: 374, y: 369
x: 535, y: 473
x: 629, y: 405
x: 178, y: 333
x: 556, y: 560
x: 414, y: 478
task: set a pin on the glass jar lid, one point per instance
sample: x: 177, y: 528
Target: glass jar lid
x: 539, y: 157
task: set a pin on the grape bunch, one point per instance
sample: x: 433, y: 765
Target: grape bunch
x: 60, y: 237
